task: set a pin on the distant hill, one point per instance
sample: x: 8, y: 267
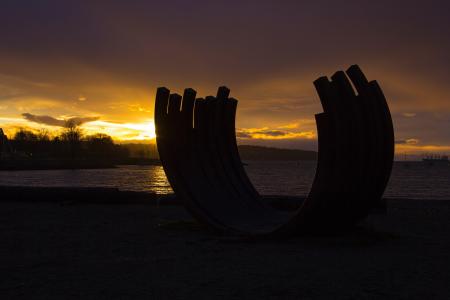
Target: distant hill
x: 248, y: 152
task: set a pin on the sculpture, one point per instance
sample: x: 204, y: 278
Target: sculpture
x: 197, y: 145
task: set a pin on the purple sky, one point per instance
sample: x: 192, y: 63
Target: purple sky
x: 104, y: 59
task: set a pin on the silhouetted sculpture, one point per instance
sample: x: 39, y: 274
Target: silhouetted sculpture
x: 197, y: 145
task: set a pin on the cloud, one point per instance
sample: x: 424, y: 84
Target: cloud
x: 51, y: 121
x: 407, y: 142
x: 409, y: 115
x: 266, y: 133
x: 273, y: 133
x: 243, y: 135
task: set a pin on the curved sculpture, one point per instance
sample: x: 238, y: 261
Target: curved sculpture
x: 197, y: 145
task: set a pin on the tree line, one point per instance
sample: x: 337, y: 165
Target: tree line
x: 69, y: 143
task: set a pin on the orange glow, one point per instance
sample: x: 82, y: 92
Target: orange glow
x: 122, y: 132
x: 420, y: 149
x: 144, y: 132
x: 277, y: 133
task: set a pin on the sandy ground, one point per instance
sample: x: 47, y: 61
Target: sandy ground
x: 100, y: 251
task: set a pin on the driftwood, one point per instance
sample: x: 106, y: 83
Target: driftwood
x: 197, y: 145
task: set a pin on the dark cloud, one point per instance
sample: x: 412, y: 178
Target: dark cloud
x: 267, y: 133
x: 51, y: 121
x: 47, y: 120
x: 243, y: 135
x: 407, y: 142
x: 205, y: 41
x: 271, y: 132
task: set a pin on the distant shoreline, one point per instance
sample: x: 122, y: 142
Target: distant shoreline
x: 68, y: 164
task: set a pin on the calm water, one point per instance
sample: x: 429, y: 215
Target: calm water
x: 408, y: 180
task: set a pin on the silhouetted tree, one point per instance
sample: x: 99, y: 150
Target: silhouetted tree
x: 43, y: 135
x: 25, y: 141
x: 72, y: 135
x: 23, y: 135
x: 100, y: 145
x: 69, y: 143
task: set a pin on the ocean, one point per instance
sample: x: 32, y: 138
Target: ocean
x: 409, y: 180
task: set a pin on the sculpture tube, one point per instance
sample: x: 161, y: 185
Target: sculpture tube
x: 196, y: 141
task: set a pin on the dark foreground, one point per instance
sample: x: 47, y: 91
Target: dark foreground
x: 102, y: 251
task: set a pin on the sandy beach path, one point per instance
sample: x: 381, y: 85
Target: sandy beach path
x: 100, y: 251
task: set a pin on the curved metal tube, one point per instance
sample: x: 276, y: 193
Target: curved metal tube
x: 196, y: 141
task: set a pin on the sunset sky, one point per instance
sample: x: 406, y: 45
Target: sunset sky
x: 101, y: 62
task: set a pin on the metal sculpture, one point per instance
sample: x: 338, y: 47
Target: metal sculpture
x: 197, y: 145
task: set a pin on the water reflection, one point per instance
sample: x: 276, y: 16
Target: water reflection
x: 157, y: 180
x: 417, y: 181
x: 130, y: 178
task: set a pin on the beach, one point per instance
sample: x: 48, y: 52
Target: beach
x: 74, y: 249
